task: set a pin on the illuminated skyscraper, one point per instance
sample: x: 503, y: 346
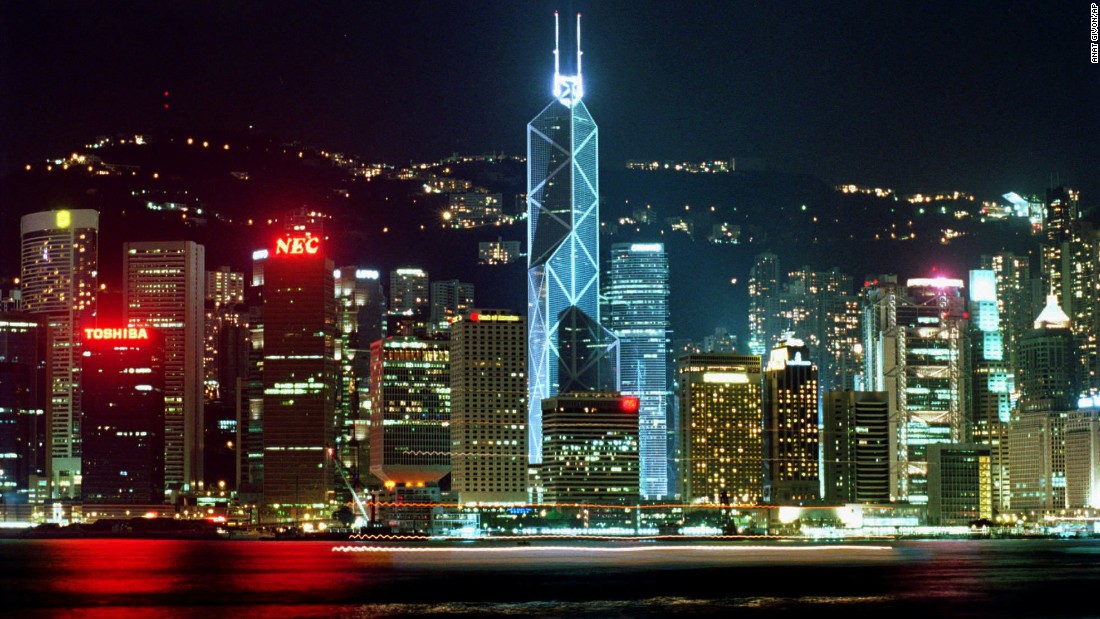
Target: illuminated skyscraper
x: 59, y: 279
x: 410, y: 432
x: 858, y: 443
x: 763, y: 285
x: 22, y: 405
x: 360, y: 309
x: 636, y: 293
x: 591, y: 448
x: 123, y: 416
x: 450, y: 299
x: 791, y: 436
x: 914, y: 345
x: 165, y: 285
x: 992, y: 381
x: 489, y: 407
x: 1037, y: 432
x: 569, y: 349
x: 721, y: 429
x: 409, y: 302
x: 299, y: 373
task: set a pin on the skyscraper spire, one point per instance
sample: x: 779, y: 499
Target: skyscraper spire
x: 568, y: 89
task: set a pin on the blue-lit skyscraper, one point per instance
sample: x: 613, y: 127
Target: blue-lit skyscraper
x: 636, y: 293
x: 568, y: 348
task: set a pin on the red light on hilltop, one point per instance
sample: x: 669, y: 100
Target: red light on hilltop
x: 297, y: 245
x: 123, y: 333
x: 629, y: 404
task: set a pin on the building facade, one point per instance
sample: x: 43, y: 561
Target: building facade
x: 636, y: 295
x: 569, y: 349
x: 721, y: 457
x: 489, y: 407
x: 165, y: 287
x: 858, y: 446
x: 791, y: 436
x: 60, y: 279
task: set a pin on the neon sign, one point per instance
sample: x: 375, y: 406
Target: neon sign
x: 124, y: 333
x: 297, y: 245
x: 629, y: 404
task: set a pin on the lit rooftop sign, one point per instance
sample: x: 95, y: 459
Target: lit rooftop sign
x: 480, y: 317
x: 726, y: 378
x: 297, y: 245
x: 120, y: 333
x: 934, y: 282
x: 366, y: 274
x: 629, y: 404
x: 646, y: 247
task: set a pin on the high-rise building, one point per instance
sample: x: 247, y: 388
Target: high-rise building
x: 858, y: 445
x: 914, y: 349
x: 1048, y: 393
x: 450, y: 299
x: 569, y: 348
x: 22, y: 405
x: 791, y: 435
x: 124, y: 411
x: 959, y: 485
x: 299, y: 373
x: 410, y: 431
x: 59, y: 281
x: 992, y: 381
x: 721, y: 429
x: 165, y: 285
x: 763, y: 285
x: 225, y: 366
x: 489, y: 407
x: 409, y: 291
x: 1062, y: 218
x: 590, y: 449
x: 360, y: 313
x: 1083, y: 458
x: 636, y: 293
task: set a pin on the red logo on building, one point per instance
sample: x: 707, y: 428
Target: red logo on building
x: 629, y: 404
x: 122, y: 333
x: 297, y: 245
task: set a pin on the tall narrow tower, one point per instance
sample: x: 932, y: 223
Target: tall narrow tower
x: 569, y: 350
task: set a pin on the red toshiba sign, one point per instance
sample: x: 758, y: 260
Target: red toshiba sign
x: 297, y: 245
x: 122, y: 333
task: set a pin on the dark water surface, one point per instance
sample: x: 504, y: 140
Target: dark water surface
x: 135, y: 578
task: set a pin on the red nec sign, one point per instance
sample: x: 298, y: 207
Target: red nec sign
x: 297, y: 245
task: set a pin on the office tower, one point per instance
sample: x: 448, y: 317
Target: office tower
x: 959, y: 485
x: 360, y: 311
x: 1071, y: 271
x: 410, y: 431
x: 124, y: 412
x: 1048, y: 392
x: 22, y: 406
x: 409, y: 291
x: 450, y: 299
x: 914, y: 345
x: 299, y: 373
x: 859, y: 445
x: 721, y: 429
x: 720, y: 341
x: 59, y: 281
x: 563, y: 253
x: 489, y: 407
x: 409, y: 303
x: 590, y: 449
x: 165, y: 284
x: 1083, y: 457
x: 636, y: 293
x: 225, y: 334
x: 1062, y: 218
x: 763, y: 285
x: 791, y: 435
x: 250, y: 408
x: 225, y: 366
x: 992, y: 381
x: 1016, y: 302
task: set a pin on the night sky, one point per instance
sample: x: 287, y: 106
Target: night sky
x: 978, y: 96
